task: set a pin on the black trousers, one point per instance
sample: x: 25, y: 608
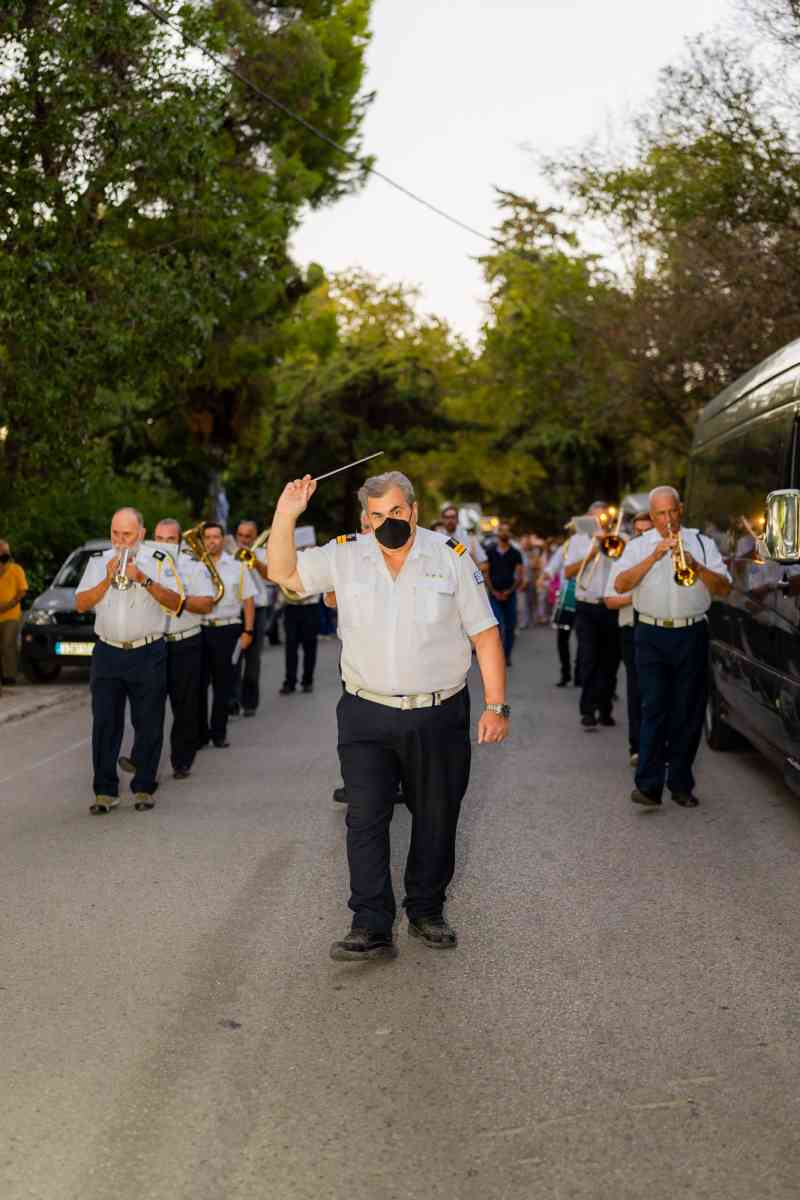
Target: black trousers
x: 219, y: 643
x: 562, y: 645
x: 627, y: 643
x: 184, y: 685
x: 597, y: 628
x: 672, y: 666
x: 248, y: 672
x: 140, y: 677
x: 428, y: 751
x: 301, y: 625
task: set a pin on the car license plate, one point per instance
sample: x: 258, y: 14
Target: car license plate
x: 74, y: 647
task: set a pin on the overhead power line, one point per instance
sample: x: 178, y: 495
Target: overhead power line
x: 312, y: 129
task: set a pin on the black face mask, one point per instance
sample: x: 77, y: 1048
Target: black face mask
x: 4, y: 558
x: 393, y: 533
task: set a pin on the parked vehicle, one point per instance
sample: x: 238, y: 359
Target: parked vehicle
x: 747, y: 448
x: 53, y: 633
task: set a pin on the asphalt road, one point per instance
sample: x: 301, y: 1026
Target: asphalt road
x: 619, y: 1021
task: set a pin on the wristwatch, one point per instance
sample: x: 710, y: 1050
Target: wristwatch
x: 502, y: 710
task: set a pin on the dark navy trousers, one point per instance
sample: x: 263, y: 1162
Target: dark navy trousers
x: 672, y: 667
x: 505, y: 612
x: 597, y: 628
x: 428, y: 751
x: 140, y: 677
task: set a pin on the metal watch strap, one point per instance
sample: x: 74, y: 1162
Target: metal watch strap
x: 502, y: 710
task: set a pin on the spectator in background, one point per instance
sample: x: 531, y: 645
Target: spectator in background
x: 449, y: 519
x: 505, y: 580
x: 13, y: 586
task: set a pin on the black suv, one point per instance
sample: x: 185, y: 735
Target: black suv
x: 53, y: 633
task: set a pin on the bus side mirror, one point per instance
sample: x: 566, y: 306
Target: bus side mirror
x: 781, y: 539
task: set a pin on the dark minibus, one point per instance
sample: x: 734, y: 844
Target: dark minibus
x: 742, y: 491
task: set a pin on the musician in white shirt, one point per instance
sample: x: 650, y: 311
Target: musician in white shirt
x: 671, y: 642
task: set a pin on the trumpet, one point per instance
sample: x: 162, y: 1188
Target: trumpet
x: 612, y: 544
x: 120, y: 579
x: 247, y: 554
x: 194, y: 540
x: 684, y: 575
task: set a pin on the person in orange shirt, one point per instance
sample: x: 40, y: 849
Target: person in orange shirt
x: 13, y: 586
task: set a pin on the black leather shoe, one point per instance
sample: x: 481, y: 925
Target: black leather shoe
x: 362, y: 944
x: 685, y: 799
x: 340, y: 795
x: 222, y: 744
x: 286, y: 689
x: 607, y: 722
x: 589, y: 722
x: 563, y: 682
x: 434, y: 932
x: 308, y: 687
x: 645, y: 798
x: 181, y: 773
x: 126, y: 764
x: 248, y: 712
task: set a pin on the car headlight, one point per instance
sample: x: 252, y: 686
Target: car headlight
x: 41, y: 616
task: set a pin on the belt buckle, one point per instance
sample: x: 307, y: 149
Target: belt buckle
x: 127, y: 645
x: 406, y: 703
x: 668, y: 623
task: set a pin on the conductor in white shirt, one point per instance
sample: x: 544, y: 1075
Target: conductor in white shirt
x: 671, y: 641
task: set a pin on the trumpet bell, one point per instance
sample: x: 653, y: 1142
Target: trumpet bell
x: 612, y: 545
x: 685, y: 576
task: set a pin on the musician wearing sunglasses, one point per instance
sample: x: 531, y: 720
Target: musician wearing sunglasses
x: 13, y: 586
x: 412, y: 606
x: 673, y: 575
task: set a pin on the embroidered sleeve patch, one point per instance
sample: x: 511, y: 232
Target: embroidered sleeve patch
x: 456, y: 546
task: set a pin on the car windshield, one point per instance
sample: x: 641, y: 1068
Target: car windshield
x: 71, y: 573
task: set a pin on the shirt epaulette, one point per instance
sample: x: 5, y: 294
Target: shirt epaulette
x: 159, y: 555
x: 456, y: 546
x: 346, y: 537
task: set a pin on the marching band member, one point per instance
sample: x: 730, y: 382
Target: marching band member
x: 673, y: 575
x: 595, y: 625
x: 130, y: 587
x: 410, y: 603
x: 248, y: 671
x: 624, y: 606
x: 221, y: 634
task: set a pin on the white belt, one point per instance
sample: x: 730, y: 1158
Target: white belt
x: 670, y: 622
x: 587, y: 599
x: 187, y: 633
x: 217, y: 621
x: 145, y: 641
x: 419, y: 700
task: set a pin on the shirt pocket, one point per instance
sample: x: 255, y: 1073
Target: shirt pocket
x: 435, y: 600
x: 358, y: 603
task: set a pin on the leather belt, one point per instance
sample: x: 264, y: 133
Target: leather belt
x: 670, y: 622
x: 418, y: 700
x: 145, y: 641
x: 215, y: 622
x: 186, y: 633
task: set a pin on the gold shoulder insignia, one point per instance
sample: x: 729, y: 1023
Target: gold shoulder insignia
x: 346, y: 537
x: 456, y: 546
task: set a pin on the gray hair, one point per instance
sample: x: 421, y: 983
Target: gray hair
x: 663, y: 488
x: 379, y: 485
x: 126, y: 508
x: 169, y: 521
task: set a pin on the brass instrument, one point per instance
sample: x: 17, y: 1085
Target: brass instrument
x: 684, y: 575
x: 247, y: 554
x: 613, y: 544
x: 609, y: 544
x: 194, y: 540
x: 120, y: 579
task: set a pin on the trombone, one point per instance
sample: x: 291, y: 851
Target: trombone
x: 194, y: 540
x: 611, y: 545
x: 684, y: 575
x: 247, y: 554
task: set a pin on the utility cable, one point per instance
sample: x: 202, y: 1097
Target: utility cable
x: 318, y: 133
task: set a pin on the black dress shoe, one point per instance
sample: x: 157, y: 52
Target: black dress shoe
x: 308, y: 687
x: 563, y: 682
x: 362, y: 944
x: 589, y: 722
x: 248, y: 712
x: 181, y: 773
x: 434, y: 932
x: 286, y: 689
x: 608, y: 721
x: 645, y: 798
x: 222, y: 744
x: 685, y: 799
x: 340, y: 795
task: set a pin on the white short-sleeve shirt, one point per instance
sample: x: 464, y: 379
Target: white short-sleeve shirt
x: 132, y: 614
x: 239, y: 586
x: 406, y: 635
x: 196, y: 582
x: 594, y: 578
x: 625, y: 614
x: 658, y: 595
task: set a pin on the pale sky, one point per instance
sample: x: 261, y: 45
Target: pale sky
x: 462, y: 87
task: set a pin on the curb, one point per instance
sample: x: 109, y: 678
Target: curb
x: 38, y: 707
